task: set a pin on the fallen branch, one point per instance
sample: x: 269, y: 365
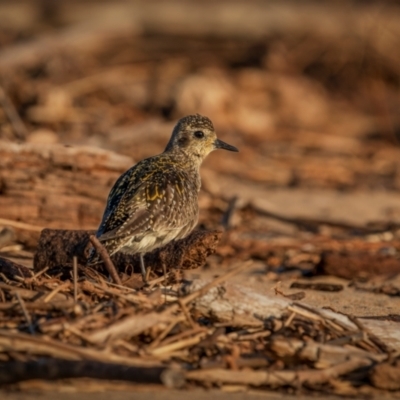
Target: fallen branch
x: 51, y: 369
x: 35, y: 345
x: 277, y: 379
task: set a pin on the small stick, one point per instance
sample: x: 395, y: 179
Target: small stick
x: 164, y: 333
x: 227, y: 217
x: 21, y: 225
x: 39, y: 273
x: 75, y: 276
x: 78, y: 333
x: 132, y: 298
x: 106, y: 258
x: 55, y: 291
x: 126, y: 288
x: 254, y: 336
x: 179, y: 345
x: 164, y: 267
x: 373, y: 339
x: 187, y: 314
x: 154, y: 281
x: 290, y: 319
x: 25, y: 312
x: 183, y: 335
x: 12, y: 114
x: 5, y: 279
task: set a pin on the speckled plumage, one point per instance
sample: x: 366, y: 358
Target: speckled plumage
x: 156, y: 201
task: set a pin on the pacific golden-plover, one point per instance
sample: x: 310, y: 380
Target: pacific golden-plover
x: 156, y: 201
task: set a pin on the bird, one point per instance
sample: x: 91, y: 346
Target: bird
x: 156, y: 201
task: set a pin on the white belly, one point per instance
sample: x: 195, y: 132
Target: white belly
x: 150, y: 242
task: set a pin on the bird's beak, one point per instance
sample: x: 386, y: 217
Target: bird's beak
x: 219, y: 144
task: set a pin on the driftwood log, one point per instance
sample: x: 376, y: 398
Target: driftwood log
x: 241, y: 306
x: 55, y: 186
x: 51, y: 369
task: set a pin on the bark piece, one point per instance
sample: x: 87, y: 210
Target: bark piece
x: 350, y: 265
x: 58, y: 247
x: 11, y: 269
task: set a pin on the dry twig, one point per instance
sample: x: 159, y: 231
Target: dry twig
x: 75, y: 277
x: 106, y: 258
x: 26, y: 314
x: 12, y: 114
x: 277, y: 379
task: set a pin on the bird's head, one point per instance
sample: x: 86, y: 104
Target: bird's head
x: 195, y: 136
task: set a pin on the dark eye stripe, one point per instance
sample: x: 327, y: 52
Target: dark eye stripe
x: 199, y: 134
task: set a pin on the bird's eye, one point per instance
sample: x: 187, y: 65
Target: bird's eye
x: 199, y: 134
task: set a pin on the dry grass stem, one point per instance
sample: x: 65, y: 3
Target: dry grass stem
x: 55, y: 291
x: 75, y: 277
x: 165, y: 332
x: 18, y: 125
x: 40, y: 273
x: 25, y: 312
x: 179, y: 345
x: 187, y: 314
x: 20, y: 225
x: 184, y: 334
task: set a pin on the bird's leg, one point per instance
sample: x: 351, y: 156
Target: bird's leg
x: 164, y: 267
x: 143, y: 268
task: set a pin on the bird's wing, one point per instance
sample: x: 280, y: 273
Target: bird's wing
x: 127, y: 183
x: 154, y: 204
x: 113, y: 200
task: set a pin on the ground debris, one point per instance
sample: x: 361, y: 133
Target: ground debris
x: 56, y: 249
x: 199, y: 332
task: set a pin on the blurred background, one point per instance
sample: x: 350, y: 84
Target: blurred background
x: 308, y: 91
